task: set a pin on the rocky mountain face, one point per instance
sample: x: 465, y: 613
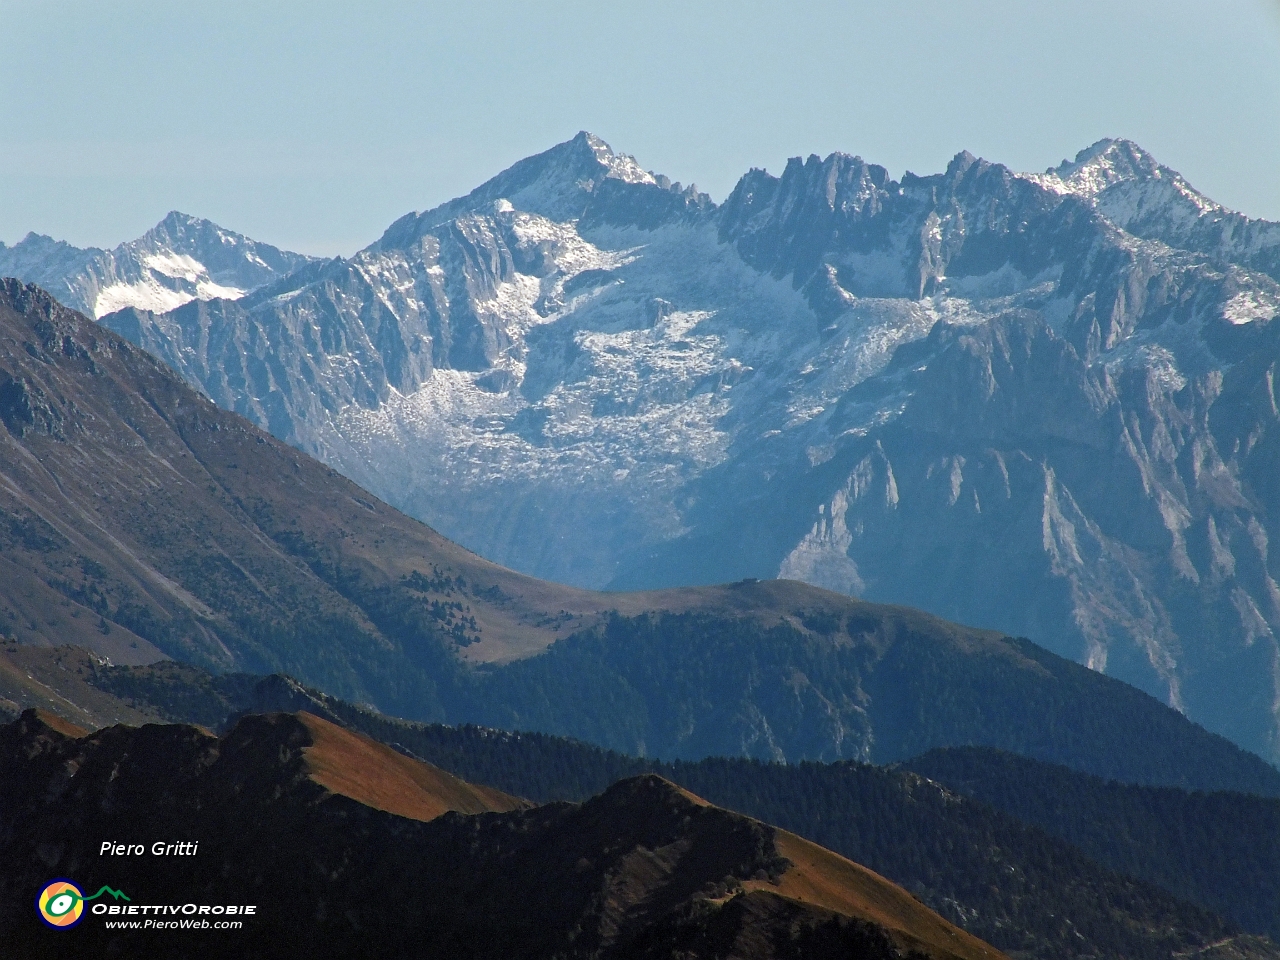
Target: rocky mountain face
x: 181, y: 259
x: 1038, y: 403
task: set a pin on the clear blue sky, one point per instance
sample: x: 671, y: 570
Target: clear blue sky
x: 314, y: 125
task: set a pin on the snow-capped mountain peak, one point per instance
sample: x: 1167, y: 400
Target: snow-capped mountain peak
x: 556, y: 184
x: 1108, y: 164
x: 180, y: 259
x: 1100, y: 166
x: 1129, y: 187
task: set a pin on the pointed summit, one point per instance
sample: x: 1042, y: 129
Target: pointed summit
x: 1142, y: 196
x: 40, y: 259
x: 621, y: 166
x: 176, y: 219
x: 181, y: 258
x: 1103, y: 165
x: 960, y: 164
x: 556, y: 184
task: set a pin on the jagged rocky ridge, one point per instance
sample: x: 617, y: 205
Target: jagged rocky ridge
x: 1039, y: 403
x: 180, y: 259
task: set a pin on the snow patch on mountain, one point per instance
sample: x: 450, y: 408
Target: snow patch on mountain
x: 621, y: 166
x: 1250, y: 305
x: 157, y: 296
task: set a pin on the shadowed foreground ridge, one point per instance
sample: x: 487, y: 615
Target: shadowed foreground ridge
x: 1002, y: 880
x: 644, y: 870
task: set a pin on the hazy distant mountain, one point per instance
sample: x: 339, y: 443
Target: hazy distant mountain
x: 181, y: 259
x: 1039, y: 403
x: 1220, y: 850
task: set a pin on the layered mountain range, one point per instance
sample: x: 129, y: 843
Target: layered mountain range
x: 1039, y: 403
x: 140, y: 521
x: 1042, y: 402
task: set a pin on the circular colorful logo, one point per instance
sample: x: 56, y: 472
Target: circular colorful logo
x: 61, y: 904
